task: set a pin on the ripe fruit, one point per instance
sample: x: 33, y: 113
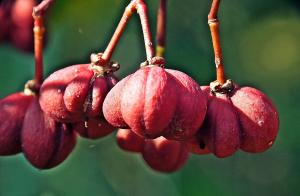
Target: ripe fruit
x: 165, y: 155
x: 12, y: 112
x: 258, y: 119
x: 22, y: 24
x: 76, y: 94
x: 4, y: 22
x: 155, y: 101
x: 93, y: 128
x: 196, y: 145
x: 241, y: 118
x: 129, y: 141
x: 45, y: 142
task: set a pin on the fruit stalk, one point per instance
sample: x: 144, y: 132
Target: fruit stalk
x: 39, y: 30
x: 214, y: 24
x: 161, y: 28
x: 141, y: 8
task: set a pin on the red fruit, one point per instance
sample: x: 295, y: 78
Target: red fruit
x: 190, y: 110
x: 93, y: 128
x: 22, y: 38
x: 4, y: 23
x: 76, y: 94
x: 244, y: 118
x: 221, y: 131
x: 129, y: 141
x: 22, y: 23
x: 45, y: 142
x: 152, y: 102
x: 148, y: 101
x: 258, y: 119
x: 21, y: 13
x: 12, y: 112
x: 112, y: 105
x: 196, y: 146
x: 165, y: 155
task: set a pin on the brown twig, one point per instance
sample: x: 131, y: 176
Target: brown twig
x: 214, y: 29
x: 161, y: 28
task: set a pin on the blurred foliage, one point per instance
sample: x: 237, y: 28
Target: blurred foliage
x: 261, y: 43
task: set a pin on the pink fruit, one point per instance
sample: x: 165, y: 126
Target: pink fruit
x: 258, y: 119
x: 196, y: 146
x: 45, y: 142
x: 165, y: 155
x: 12, y: 112
x: 4, y: 23
x: 93, y: 128
x: 129, y: 141
x: 22, y: 24
x: 76, y: 94
x: 155, y: 101
x: 244, y: 118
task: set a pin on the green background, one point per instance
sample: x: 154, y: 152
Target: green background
x: 261, y: 43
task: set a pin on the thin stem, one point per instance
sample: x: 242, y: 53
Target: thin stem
x: 161, y: 28
x: 38, y: 30
x: 118, y: 33
x: 214, y: 29
x: 141, y: 8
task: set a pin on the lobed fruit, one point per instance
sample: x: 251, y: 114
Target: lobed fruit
x: 45, y: 142
x: 12, y: 113
x: 129, y: 141
x: 78, y: 97
x: 155, y: 101
x: 165, y: 155
x: 244, y: 118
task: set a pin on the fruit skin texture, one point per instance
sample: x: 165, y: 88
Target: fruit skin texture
x: 45, y: 142
x: 244, y: 118
x: 196, y: 146
x: 12, y: 112
x: 75, y: 94
x: 129, y: 141
x: 93, y: 128
x: 191, y: 108
x: 165, y: 155
x: 258, y: 119
x: 151, y: 103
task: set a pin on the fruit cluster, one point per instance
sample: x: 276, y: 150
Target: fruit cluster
x: 161, y: 113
